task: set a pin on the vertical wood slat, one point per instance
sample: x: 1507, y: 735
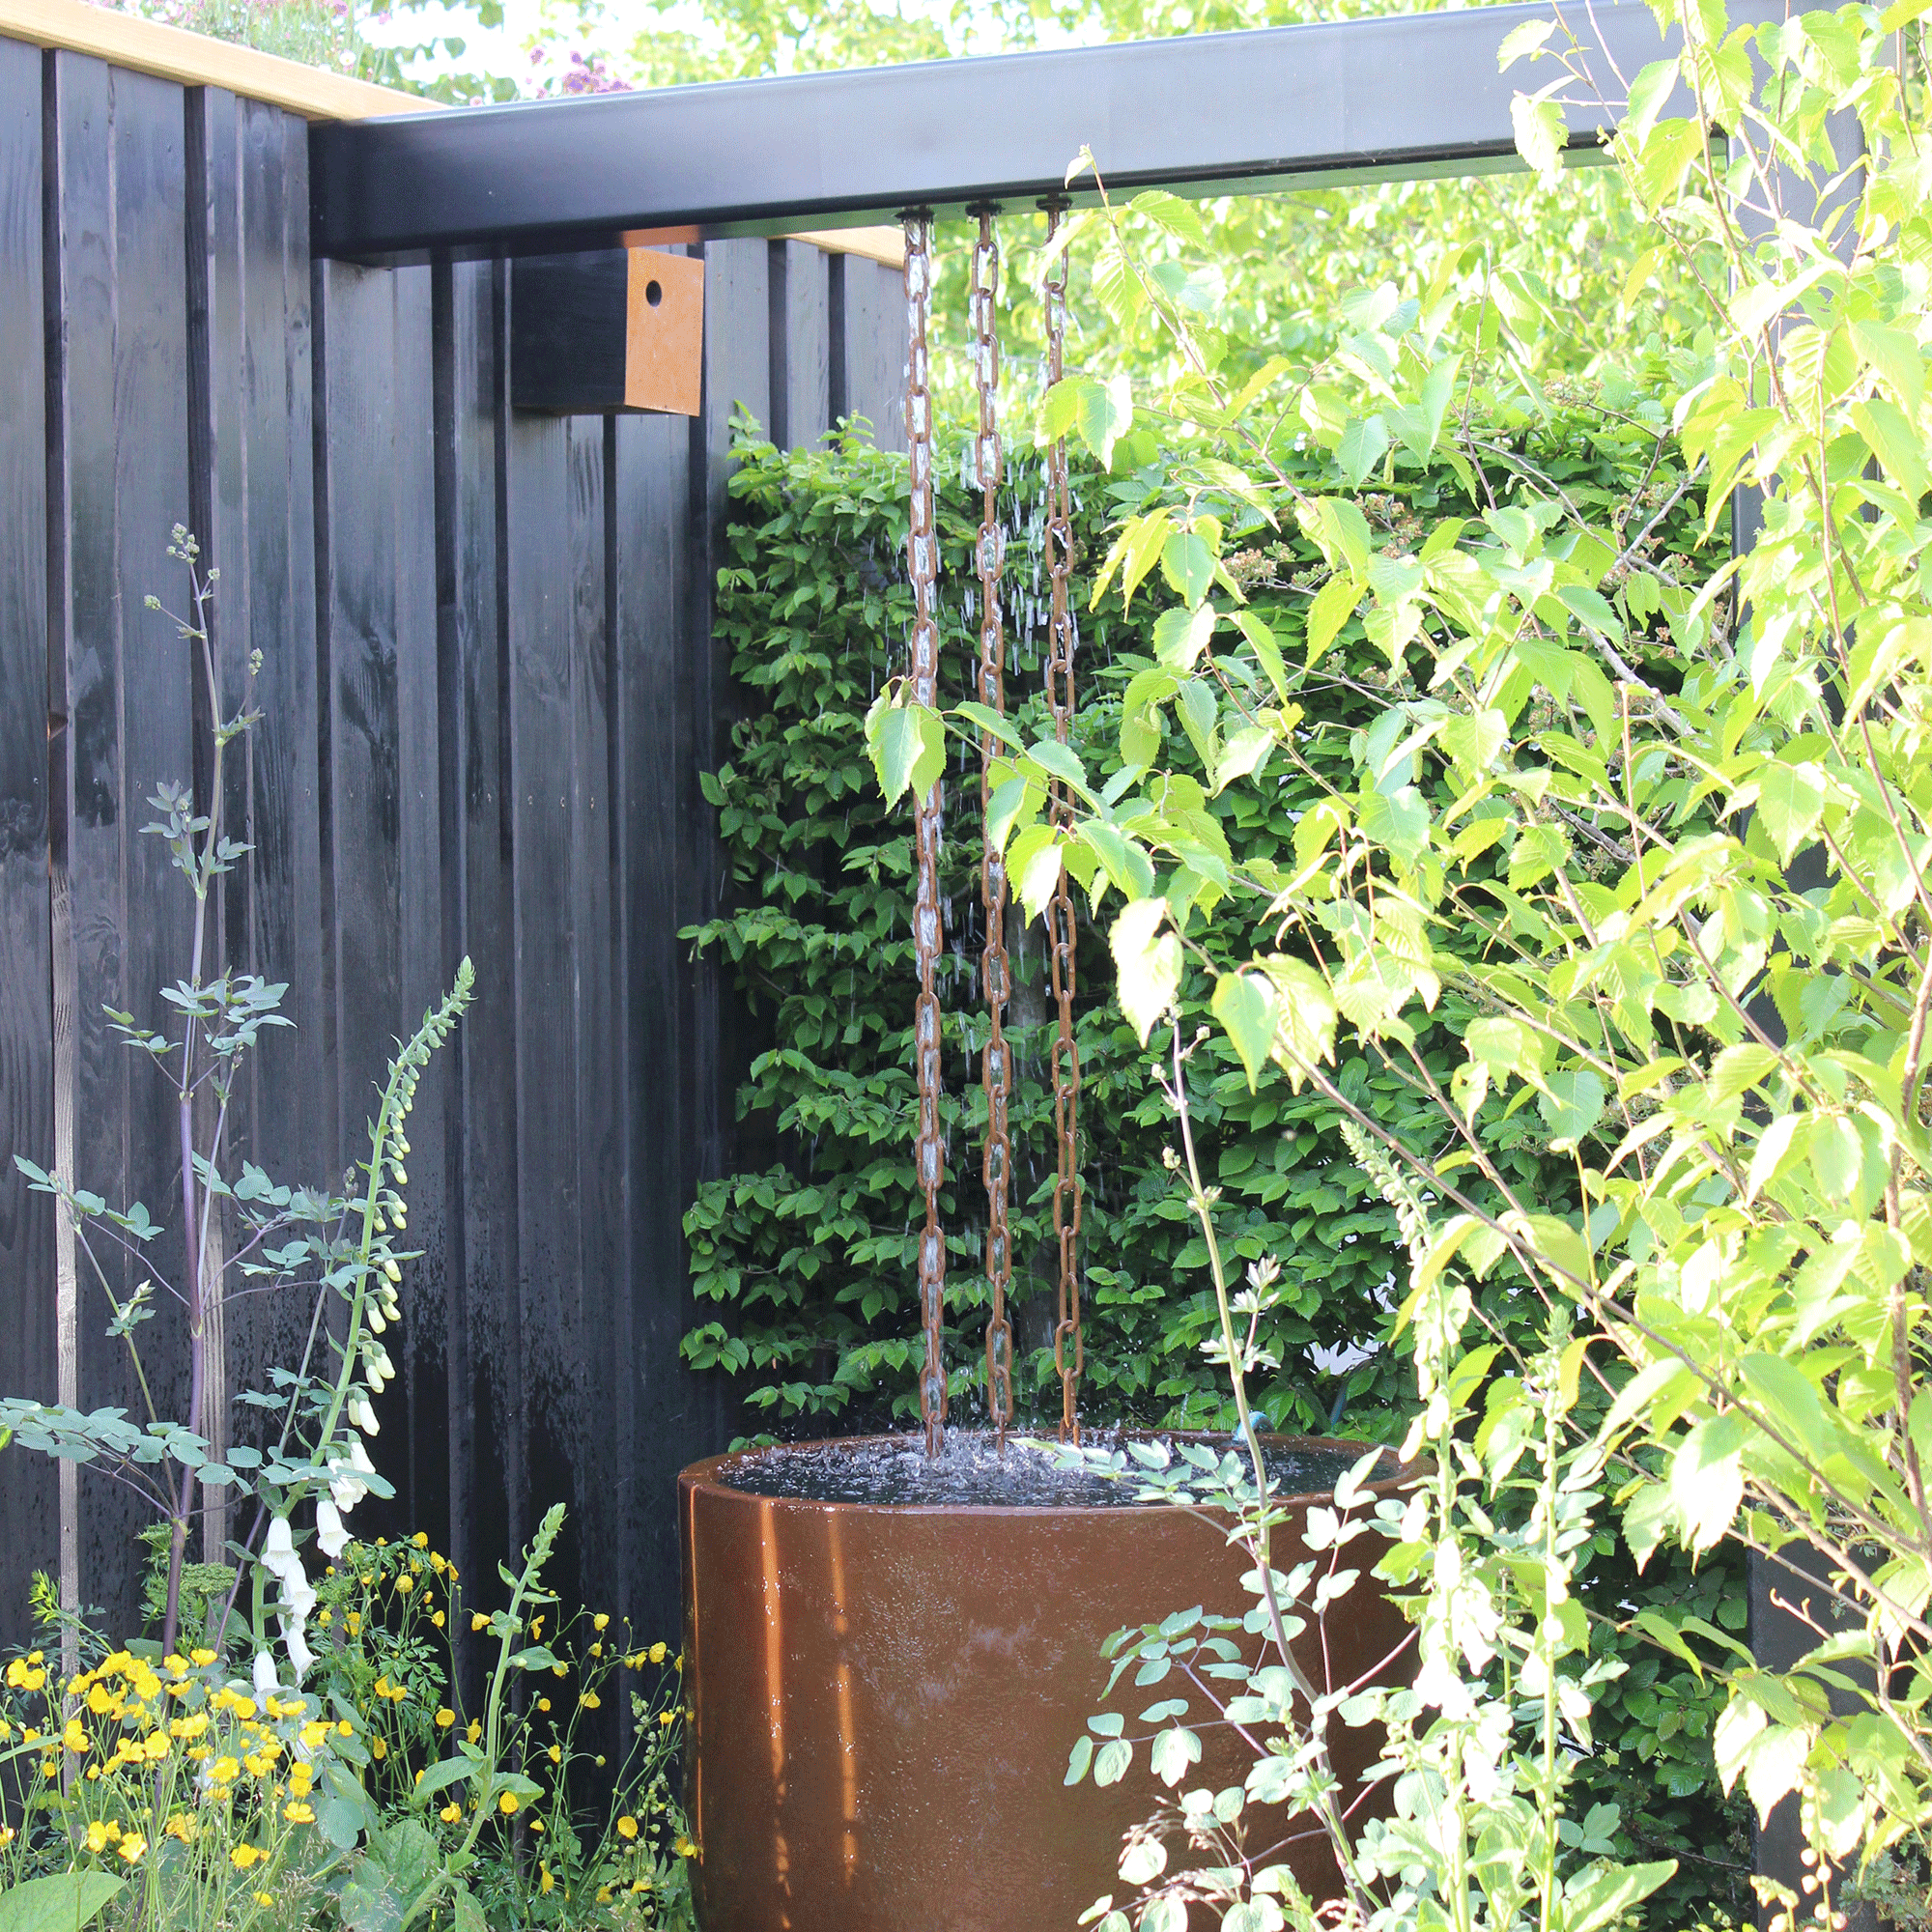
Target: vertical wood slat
x: 254, y: 471
x: 117, y: 204
x: 30, y: 743
x: 868, y: 350
x: 487, y: 1480
x: 377, y: 617
x: 801, y: 345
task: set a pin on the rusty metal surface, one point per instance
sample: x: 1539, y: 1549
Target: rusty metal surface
x: 995, y: 1062
x: 883, y: 1700
x: 923, y: 567
x: 1062, y: 927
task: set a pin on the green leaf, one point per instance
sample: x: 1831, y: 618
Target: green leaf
x: 1333, y: 605
x: 1102, y: 413
x: 1078, y: 1759
x: 1363, y: 443
x: 1595, y: 1899
x: 1540, y: 134
x: 1188, y: 566
x: 1521, y: 43
x: 1009, y: 803
x: 440, y: 1776
x: 1181, y: 636
x: 1147, y: 965
x: 1304, y: 1016
x: 63, y: 1903
x: 1111, y: 1761
x: 1790, y: 800
x: 1261, y: 641
x: 1707, y: 1480
x: 1341, y: 530
x: 1570, y: 1104
x: 908, y: 747
x: 1896, y: 442
x: 1035, y: 867
x: 1244, y: 1003
x: 1174, y: 1752
x: 995, y: 723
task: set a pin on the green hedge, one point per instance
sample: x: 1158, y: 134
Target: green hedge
x: 809, y: 1259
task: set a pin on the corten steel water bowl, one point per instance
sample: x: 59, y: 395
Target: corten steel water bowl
x: 883, y: 1697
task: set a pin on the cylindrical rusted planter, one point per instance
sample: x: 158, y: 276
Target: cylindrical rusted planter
x: 883, y: 1698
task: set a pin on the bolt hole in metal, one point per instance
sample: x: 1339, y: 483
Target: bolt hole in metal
x: 654, y: 293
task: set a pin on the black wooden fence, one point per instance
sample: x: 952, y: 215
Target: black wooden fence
x: 489, y: 687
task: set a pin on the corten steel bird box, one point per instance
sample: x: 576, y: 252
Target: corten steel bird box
x: 619, y: 328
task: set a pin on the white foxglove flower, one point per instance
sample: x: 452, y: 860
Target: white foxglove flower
x: 280, y: 1548
x: 299, y: 1654
x: 328, y: 1530
x: 267, y: 1681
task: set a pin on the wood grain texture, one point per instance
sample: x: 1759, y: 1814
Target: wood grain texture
x: 148, y: 48
x: 28, y: 1338
x: 869, y: 347
x: 801, y: 345
x: 118, y: 153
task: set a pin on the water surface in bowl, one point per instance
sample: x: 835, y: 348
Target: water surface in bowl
x: 971, y: 1472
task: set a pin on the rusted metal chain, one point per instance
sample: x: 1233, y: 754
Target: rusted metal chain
x: 995, y: 1066
x: 1063, y: 932
x: 922, y: 566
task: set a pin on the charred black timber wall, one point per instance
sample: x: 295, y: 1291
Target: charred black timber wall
x: 489, y: 686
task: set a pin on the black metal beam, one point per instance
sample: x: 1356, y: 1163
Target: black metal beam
x: 1283, y: 107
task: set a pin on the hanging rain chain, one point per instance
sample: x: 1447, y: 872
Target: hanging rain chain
x: 995, y: 1066
x: 923, y: 565
x: 1069, y: 1353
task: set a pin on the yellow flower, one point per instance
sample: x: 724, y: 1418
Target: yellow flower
x: 627, y: 1827
x: 202, y: 1657
x: 558, y: 1669
x: 313, y: 1732
x: 590, y: 1700
x: 657, y: 1653
x: 600, y: 1620
x: 75, y: 1738
x: 181, y: 1825
x: 157, y: 1748
x: 345, y: 1729
x: 97, y: 1837
x: 324, y: 1617
x: 478, y: 1621
x: 451, y: 1814
x: 354, y: 1622
x: 420, y: 1539
x: 507, y: 1803
x: 132, y: 1846
x: 379, y: 1749
x: 298, y: 1813
x: 265, y: 1899
x: 545, y: 1882
x: 596, y: 1650
x: 438, y: 1619
x: 382, y: 1687
x: 543, y: 1703
x: 474, y: 1730
x: 6, y: 1834
x: 98, y: 1701
x: 300, y: 1780
x: 175, y: 1665
x: 224, y: 1771
x: 245, y: 1855
x: 445, y: 1718
x: 603, y: 1894
x: 555, y: 1753
x: 684, y: 1848
x: 244, y: 1708
x: 191, y: 1727
x: 406, y: 1583
x: 666, y: 1718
